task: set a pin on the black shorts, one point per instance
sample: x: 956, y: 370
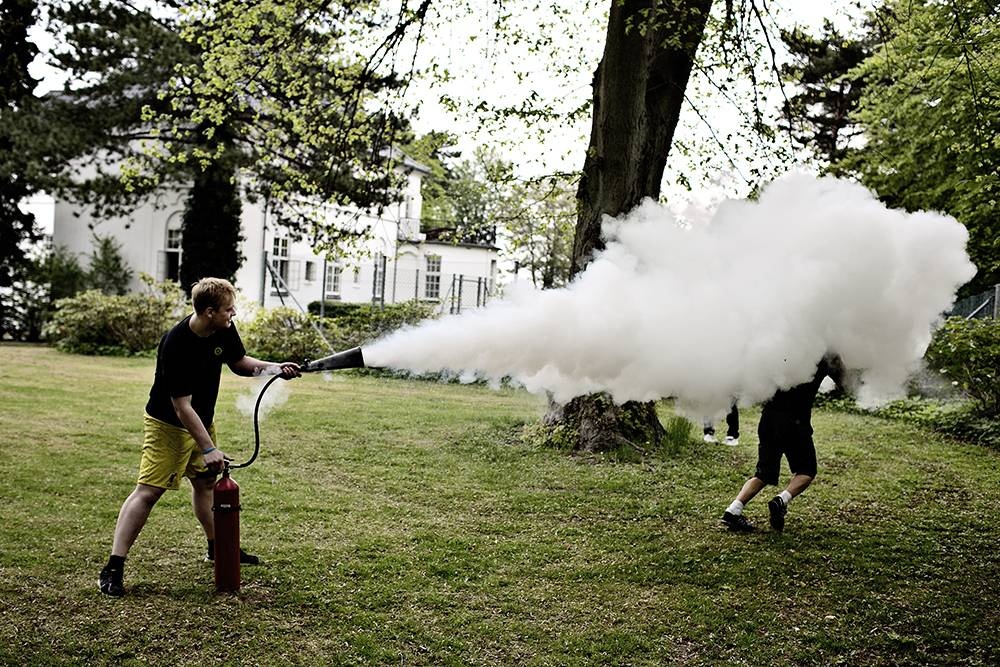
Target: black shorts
x: 780, y: 434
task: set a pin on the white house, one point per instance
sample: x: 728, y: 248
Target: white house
x: 397, y: 264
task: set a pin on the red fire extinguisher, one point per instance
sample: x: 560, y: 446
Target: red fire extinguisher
x: 226, y: 508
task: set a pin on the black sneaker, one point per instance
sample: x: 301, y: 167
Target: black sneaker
x: 110, y: 581
x: 245, y: 558
x: 777, y: 510
x: 736, y: 522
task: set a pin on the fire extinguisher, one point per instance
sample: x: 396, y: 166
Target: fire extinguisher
x: 226, y: 511
x: 226, y: 507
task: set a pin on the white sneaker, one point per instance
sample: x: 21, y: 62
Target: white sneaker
x: 731, y: 441
x: 710, y: 438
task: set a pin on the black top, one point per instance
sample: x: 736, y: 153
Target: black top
x: 189, y: 365
x: 797, y: 401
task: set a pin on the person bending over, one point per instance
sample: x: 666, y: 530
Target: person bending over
x: 179, y: 437
x: 785, y: 429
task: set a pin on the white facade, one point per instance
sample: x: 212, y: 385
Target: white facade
x: 396, y: 263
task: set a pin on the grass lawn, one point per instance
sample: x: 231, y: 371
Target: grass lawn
x: 406, y: 523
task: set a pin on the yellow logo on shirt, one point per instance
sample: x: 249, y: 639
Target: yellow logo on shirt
x: 218, y: 351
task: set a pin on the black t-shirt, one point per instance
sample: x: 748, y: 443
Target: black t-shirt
x: 189, y: 365
x: 797, y: 402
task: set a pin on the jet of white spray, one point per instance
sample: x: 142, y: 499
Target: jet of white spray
x: 736, y: 308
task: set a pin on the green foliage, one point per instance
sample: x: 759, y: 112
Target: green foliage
x: 299, y: 90
x: 929, y: 110
x: 968, y: 352
x: 475, y: 199
x: 95, y: 323
x: 283, y: 334
x: 17, y: 228
x: 468, y: 195
x: 108, y: 273
x: 961, y: 420
x: 820, y: 115
x: 210, y: 229
x: 116, y: 57
x: 31, y: 299
x: 434, y: 150
x: 334, y: 309
x: 366, y: 323
x: 62, y: 272
x: 677, y: 435
x: 539, y: 219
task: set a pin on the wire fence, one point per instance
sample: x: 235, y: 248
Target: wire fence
x: 985, y: 305
x: 453, y: 292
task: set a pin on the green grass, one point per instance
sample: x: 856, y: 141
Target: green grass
x: 406, y: 523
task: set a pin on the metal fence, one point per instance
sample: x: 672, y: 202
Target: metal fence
x: 984, y: 305
x: 453, y: 292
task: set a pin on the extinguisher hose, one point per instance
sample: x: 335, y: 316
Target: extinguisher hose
x: 256, y: 426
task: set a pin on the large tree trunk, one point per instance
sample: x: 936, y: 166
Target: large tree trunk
x: 638, y: 92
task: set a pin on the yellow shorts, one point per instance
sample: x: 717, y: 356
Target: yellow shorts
x: 168, y: 453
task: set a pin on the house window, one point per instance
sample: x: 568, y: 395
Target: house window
x: 283, y: 267
x: 432, y: 277
x: 310, y: 271
x: 333, y: 281
x: 357, y: 275
x: 172, y: 256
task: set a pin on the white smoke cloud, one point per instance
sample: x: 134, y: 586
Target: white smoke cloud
x: 275, y: 396
x: 738, y: 307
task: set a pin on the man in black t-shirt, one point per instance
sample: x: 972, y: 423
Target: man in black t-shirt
x: 785, y: 428
x: 178, y: 427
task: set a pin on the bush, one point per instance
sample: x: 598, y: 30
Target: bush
x: 96, y: 323
x: 364, y: 323
x: 335, y: 309
x: 284, y: 334
x: 968, y: 352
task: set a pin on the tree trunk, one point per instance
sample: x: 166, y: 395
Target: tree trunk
x: 638, y: 92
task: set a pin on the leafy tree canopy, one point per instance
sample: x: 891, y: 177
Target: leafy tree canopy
x: 820, y: 115
x: 930, y: 112
x: 303, y: 89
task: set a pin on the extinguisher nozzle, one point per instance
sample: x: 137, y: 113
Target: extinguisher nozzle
x: 352, y: 358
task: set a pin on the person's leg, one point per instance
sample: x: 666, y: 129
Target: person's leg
x: 733, y: 426
x: 751, y: 488
x: 133, y: 516
x: 802, y: 461
x: 159, y: 470
x: 708, y: 430
x: 766, y: 473
x: 797, y: 484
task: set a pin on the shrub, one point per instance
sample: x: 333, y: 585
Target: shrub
x: 365, y: 323
x: 968, y: 352
x: 335, y: 309
x: 284, y: 334
x: 96, y: 323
